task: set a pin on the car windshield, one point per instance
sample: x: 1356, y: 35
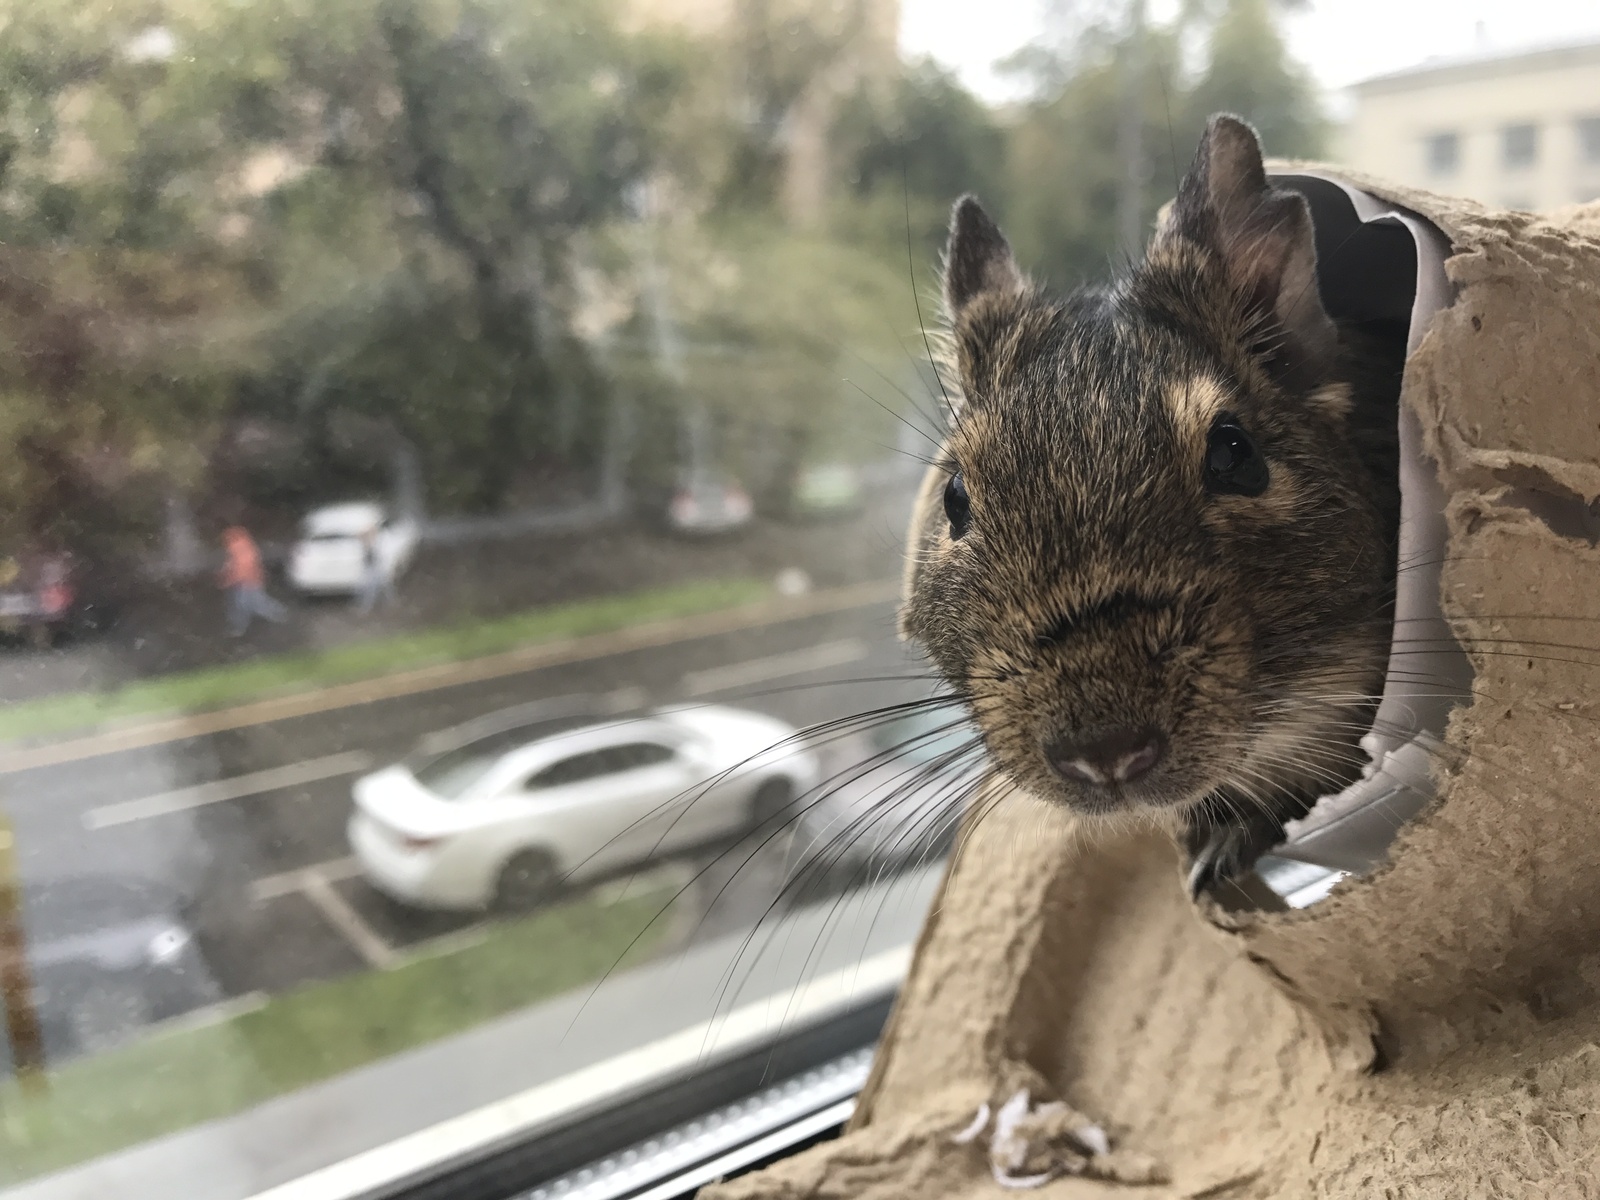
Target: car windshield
x: 619, y: 321
x: 451, y: 761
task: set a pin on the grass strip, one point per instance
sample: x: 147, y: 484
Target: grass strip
x: 170, y: 1082
x: 216, y: 687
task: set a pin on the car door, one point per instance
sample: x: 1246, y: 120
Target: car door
x: 614, y: 804
x: 663, y: 791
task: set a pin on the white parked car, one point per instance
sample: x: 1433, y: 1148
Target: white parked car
x: 328, y: 557
x: 893, y: 799
x: 507, y: 812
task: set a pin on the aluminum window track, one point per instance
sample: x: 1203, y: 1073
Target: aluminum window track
x: 723, y: 1142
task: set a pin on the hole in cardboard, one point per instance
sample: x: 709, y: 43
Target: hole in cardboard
x: 1384, y: 1050
x: 1566, y: 513
x: 1384, y: 271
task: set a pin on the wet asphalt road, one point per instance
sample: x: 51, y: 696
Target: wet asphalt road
x: 250, y: 821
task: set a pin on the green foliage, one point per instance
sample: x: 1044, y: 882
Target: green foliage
x: 777, y: 56
x: 1066, y: 170
x: 1249, y: 73
x: 909, y: 147
x: 353, y: 222
x: 1065, y: 162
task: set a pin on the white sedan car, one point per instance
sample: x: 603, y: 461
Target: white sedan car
x: 894, y: 800
x: 328, y: 558
x: 506, y: 813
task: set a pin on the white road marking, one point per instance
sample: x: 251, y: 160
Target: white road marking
x: 236, y: 788
x: 453, y: 1140
x: 626, y: 699
x: 775, y: 666
x: 316, y: 882
x: 377, y: 952
x: 270, y: 887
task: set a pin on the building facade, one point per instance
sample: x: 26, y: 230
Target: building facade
x: 1515, y: 131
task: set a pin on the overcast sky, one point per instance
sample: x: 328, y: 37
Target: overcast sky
x: 1341, y: 40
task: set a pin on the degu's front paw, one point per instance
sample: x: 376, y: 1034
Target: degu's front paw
x: 1226, y: 851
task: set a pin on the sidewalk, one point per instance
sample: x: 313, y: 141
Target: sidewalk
x: 180, y: 627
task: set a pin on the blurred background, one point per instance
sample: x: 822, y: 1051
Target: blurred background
x: 541, y: 349
x: 526, y: 267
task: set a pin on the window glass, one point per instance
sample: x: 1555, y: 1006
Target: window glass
x: 580, y: 767
x: 1519, y: 145
x: 621, y: 318
x: 1444, y: 153
x: 640, y: 754
x: 452, y: 774
x: 1588, y: 130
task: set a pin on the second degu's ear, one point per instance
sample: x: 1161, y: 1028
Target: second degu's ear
x: 977, y: 260
x: 1261, y: 235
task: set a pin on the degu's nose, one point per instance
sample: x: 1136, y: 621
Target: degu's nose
x: 1106, y: 757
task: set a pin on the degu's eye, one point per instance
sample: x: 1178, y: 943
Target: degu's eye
x: 957, y: 506
x: 1233, y: 464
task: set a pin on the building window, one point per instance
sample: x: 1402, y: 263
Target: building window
x: 1589, y: 140
x: 1519, y: 145
x: 1444, y: 153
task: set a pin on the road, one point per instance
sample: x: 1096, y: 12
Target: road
x: 250, y: 819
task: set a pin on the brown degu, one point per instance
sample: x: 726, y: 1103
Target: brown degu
x: 1155, y: 556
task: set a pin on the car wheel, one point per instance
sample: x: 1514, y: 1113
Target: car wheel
x: 106, y: 1013
x: 528, y: 880
x: 771, y: 806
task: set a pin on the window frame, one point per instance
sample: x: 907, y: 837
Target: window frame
x: 654, y: 1107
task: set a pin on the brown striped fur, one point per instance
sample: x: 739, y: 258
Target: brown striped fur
x: 1100, y: 584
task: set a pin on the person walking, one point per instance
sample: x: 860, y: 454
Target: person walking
x: 376, y: 581
x: 245, y: 584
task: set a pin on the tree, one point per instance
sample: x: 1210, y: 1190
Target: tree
x: 108, y: 372
x: 1065, y: 171
x: 1248, y: 72
x: 341, y: 222
x: 908, y: 147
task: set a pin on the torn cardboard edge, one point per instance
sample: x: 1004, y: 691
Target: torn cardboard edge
x: 1351, y: 831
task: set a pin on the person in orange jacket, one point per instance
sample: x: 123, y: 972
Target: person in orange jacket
x: 245, y: 583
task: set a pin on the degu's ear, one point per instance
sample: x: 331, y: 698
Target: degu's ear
x: 1261, y: 235
x: 977, y: 259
